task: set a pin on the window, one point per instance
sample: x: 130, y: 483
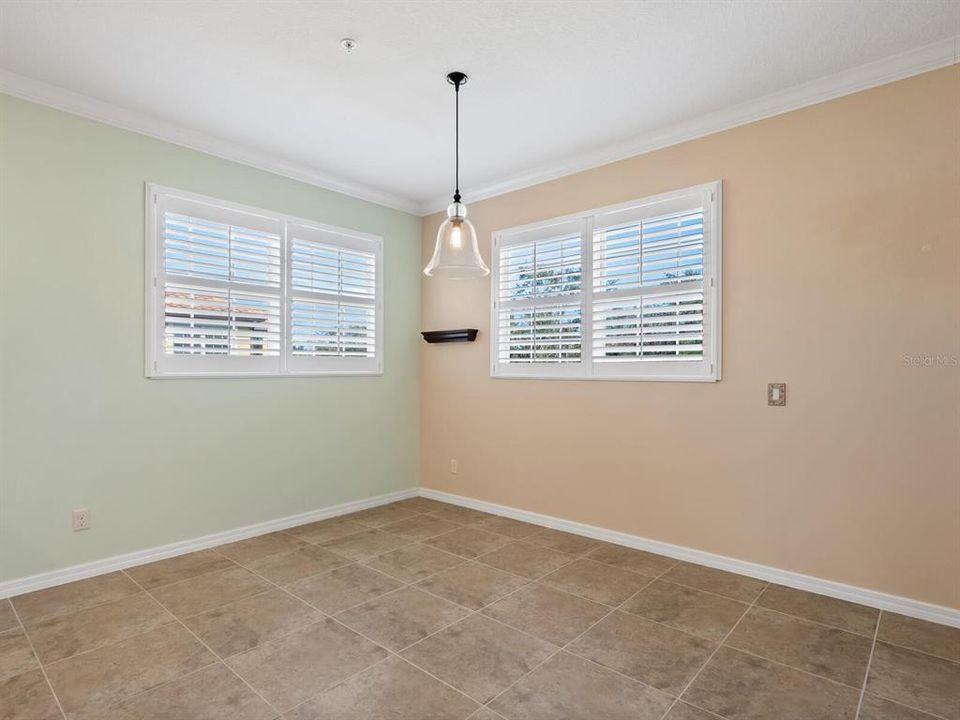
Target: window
x: 238, y: 291
x: 630, y: 292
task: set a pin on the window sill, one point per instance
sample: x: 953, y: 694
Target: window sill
x: 612, y: 378
x: 248, y: 375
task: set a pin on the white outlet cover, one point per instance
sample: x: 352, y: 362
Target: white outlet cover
x: 81, y: 519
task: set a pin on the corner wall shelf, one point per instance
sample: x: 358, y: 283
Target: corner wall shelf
x: 445, y: 336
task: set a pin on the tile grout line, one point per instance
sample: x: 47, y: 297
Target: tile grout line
x: 414, y: 514
x: 205, y: 573
x: 273, y: 587
x: 55, y: 616
x: 661, y: 577
x: 697, y: 708
x: 173, y: 618
x: 362, y: 563
x: 496, y: 715
x: 388, y: 656
x: 815, y: 622
x: 164, y: 684
x: 706, y: 592
x: 88, y: 651
x: 470, y: 613
x: 538, y: 582
x: 475, y: 561
x: 415, y: 583
x: 146, y: 593
x: 866, y: 674
x: 479, y: 611
x: 391, y: 653
x: 899, y: 704
x: 571, y: 558
x: 651, y: 579
x: 209, y: 649
x: 563, y: 648
x: 780, y: 663
x: 925, y: 653
x: 622, y: 674
x: 348, y: 561
x: 43, y: 670
x: 712, y: 654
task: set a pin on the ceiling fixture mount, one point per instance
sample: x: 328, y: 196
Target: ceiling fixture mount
x: 456, y: 254
x: 348, y: 44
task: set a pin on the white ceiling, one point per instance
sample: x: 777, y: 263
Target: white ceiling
x: 549, y: 80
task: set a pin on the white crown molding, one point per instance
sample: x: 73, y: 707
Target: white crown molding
x: 897, y: 67
x: 93, y: 109
x: 851, y: 593
x: 19, y: 586
x: 880, y: 72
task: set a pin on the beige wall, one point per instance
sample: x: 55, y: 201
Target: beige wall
x: 841, y: 260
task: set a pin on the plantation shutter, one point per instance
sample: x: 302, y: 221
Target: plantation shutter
x: 220, y: 276
x: 232, y: 290
x: 652, y: 281
x: 624, y: 292
x: 538, y: 307
x: 333, y: 296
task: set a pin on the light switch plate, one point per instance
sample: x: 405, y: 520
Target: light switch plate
x: 777, y: 394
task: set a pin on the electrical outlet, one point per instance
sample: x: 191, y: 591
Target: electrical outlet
x: 81, y: 519
x: 453, y: 467
x: 777, y: 394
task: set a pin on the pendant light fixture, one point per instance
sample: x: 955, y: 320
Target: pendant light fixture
x: 456, y: 254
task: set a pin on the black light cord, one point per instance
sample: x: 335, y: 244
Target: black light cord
x: 457, y: 79
x: 456, y: 192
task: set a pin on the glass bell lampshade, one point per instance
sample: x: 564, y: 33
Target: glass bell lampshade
x: 456, y: 254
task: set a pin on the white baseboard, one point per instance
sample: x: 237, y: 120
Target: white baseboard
x: 863, y: 596
x: 19, y: 586
x: 871, y: 598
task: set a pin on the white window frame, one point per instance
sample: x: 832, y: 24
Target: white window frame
x: 160, y: 365
x: 707, y: 196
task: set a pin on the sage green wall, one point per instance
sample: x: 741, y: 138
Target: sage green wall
x: 163, y: 460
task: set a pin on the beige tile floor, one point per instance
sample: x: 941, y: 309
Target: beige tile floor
x: 425, y: 611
